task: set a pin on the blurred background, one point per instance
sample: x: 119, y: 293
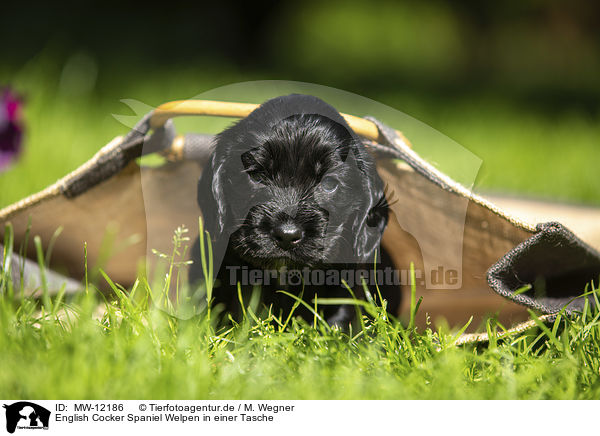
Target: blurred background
x: 517, y: 83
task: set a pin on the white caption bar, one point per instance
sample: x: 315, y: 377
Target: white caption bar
x: 23, y: 417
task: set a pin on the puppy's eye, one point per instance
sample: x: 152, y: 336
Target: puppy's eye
x: 248, y: 161
x: 251, y: 167
x: 254, y: 175
x: 329, y: 184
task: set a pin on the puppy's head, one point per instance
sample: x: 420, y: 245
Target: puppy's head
x: 293, y: 185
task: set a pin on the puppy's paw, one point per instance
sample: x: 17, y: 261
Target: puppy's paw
x: 342, y: 318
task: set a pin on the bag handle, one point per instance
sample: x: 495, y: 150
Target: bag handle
x: 365, y: 128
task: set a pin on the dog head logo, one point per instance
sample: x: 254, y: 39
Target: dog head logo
x: 26, y: 415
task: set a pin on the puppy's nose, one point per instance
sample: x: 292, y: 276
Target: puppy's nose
x: 287, y: 235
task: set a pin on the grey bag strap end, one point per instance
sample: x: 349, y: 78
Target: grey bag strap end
x: 110, y: 160
x: 548, y: 272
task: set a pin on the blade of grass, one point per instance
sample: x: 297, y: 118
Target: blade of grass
x: 40, y: 259
x: 413, y: 293
x: 305, y: 304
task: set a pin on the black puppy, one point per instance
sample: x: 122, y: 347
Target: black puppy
x: 293, y: 202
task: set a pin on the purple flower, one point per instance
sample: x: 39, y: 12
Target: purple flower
x: 11, y: 127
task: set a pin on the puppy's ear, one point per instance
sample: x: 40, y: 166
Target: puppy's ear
x: 210, y: 200
x: 210, y: 197
x: 371, y: 221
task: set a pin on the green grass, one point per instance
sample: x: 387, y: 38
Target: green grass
x: 131, y: 345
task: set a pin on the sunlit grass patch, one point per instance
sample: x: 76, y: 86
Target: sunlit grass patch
x: 127, y: 344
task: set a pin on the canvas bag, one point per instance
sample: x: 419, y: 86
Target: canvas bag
x: 497, y: 253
